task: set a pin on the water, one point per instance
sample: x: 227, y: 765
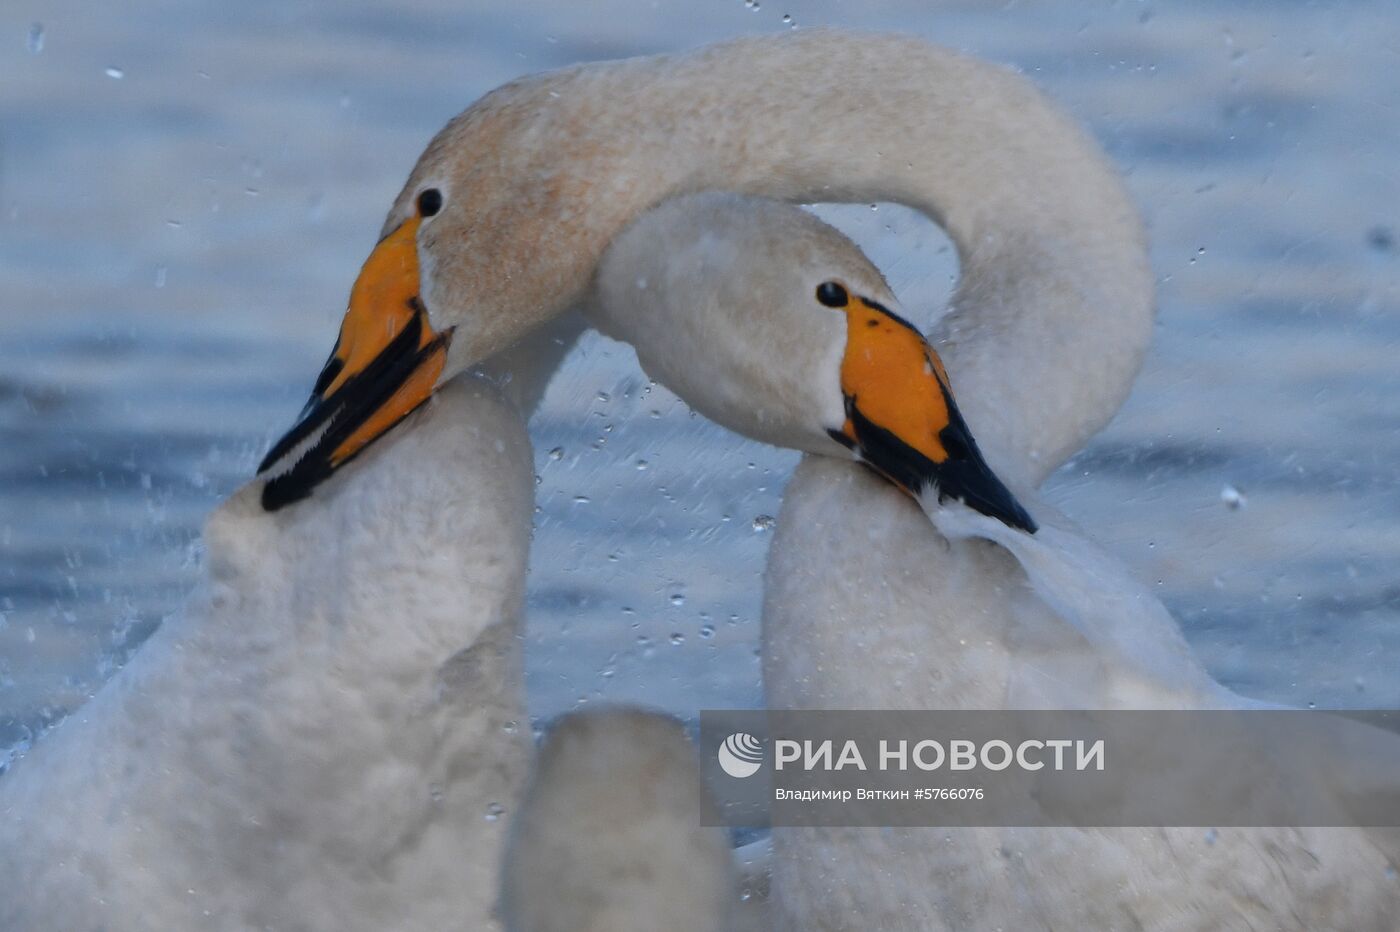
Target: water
x: 177, y: 241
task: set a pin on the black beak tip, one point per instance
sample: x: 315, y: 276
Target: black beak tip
x: 1019, y: 518
x: 293, y: 483
x: 976, y: 486
x: 286, y: 489
x: 329, y: 421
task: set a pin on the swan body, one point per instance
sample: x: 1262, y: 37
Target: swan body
x: 869, y: 604
x: 326, y: 735
x: 609, y: 837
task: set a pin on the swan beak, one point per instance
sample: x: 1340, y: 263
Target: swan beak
x: 902, y: 421
x: 386, y: 362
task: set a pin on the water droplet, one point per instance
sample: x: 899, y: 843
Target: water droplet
x: 642, y: 465
x: 511, y: 727
x: 678, y: 599
x: 35, y: 40
x: 1233, y: 498
x: 763, y: 523
x: 435, y: 792
x: 494, y: 811
x: 582, y: 499
x: 115, y: 73
x: 677, y: 639
x: 707, y: 632
x: 160, y: 276
x: 1211, y: 836
x: 557, y: 453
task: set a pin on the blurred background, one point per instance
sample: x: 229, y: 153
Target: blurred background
x: 187, y: 190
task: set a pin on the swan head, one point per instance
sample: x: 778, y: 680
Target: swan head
x: 490, y: 237
x: 770, y: 322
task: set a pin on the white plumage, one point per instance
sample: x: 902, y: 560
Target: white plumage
x: 332, y: 731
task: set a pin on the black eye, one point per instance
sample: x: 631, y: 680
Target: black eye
x: 430, y: 202
x: 832, y: 295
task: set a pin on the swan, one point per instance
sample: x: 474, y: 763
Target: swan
x: 752, y: 311
x: 609, y: 834
x: 330, y: 733
x: 729, y: 301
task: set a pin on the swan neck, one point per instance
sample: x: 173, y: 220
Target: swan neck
x: 1050, y: 244
x: 1054, y: 310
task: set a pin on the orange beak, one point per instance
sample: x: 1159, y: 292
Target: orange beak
x: 902, y: 421
x: 386, y: 363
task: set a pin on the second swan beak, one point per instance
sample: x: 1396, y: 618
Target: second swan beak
x: 386, y: 362
x: 901, y: 419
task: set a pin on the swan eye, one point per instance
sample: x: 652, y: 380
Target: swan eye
x: 429, y: 202
x: 832, y: 295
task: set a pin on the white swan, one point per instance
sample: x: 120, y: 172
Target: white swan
x: 728, y: 301
x: 752, y: 311
x: 330, y: 734
x: 608, y: 837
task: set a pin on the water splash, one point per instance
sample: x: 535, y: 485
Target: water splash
x: 1232, y: 498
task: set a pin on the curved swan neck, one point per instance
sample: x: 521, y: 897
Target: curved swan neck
x: 554, y: 166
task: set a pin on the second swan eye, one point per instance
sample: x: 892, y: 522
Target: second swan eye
x: 429, y: 202
x: 832, y: 295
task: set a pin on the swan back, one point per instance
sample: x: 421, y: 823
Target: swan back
x: 609, y: 835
